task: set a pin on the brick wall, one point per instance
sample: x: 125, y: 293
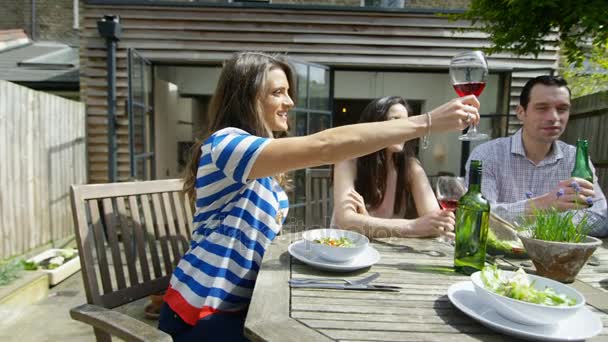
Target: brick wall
x: 54, y: 19
x: 15, y: 14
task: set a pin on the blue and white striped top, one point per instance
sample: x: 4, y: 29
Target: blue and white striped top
x: 235, y: 220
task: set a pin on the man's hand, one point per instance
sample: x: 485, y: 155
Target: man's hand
x: 573, y: 193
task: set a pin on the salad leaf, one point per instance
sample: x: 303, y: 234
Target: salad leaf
x: 499, y: 245
x: 519, y: 287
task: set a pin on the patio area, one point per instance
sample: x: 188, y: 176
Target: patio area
x: 49, y: 319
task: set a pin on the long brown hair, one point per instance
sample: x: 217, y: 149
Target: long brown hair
x: 372, y: 169
x: 236, y: 101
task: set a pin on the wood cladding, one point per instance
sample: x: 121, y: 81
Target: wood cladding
x: 341, y: 39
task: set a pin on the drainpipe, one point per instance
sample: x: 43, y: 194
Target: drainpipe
x: 109, y: 29
x: 33, y: 33
x: 76, y: 22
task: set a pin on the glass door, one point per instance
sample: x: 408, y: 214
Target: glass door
x: 141, y: 117
x: 311, y: 114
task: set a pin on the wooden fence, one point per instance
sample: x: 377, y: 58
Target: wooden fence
x: 589, y: 120
x: 42, y: 144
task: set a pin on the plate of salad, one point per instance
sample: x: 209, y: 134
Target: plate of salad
x: 526, y: 298
x: 581, y: 326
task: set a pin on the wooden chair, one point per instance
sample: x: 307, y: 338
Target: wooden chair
x: 130, y: 237
x: 319, y: 197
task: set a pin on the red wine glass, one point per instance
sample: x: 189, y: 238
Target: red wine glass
x: 449, y: 191
x: 469, y: 72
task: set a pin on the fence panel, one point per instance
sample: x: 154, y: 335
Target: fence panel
x: 42, y: 144
x: 589, y: 120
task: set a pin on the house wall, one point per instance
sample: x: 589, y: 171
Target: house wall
x: 54, y: 19
x: 404, y: 41
x: 173, y: 117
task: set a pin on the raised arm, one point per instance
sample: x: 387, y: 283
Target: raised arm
x: 352, y: 141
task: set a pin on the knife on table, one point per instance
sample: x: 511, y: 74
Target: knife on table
x: 366, y: 287
x: 361, y: 281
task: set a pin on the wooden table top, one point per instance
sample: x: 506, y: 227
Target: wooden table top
x: 420, y: 311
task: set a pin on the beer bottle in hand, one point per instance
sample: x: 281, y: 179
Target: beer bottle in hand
x: 581, y: 164
x: 472, y: 219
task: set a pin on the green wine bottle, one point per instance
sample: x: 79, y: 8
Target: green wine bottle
x: 472, y: 220
x: 581, y: 164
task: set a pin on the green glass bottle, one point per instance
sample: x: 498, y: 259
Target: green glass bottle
x: 472, y: 220
x: 581, y: 164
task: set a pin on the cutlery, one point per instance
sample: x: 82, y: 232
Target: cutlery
x: 368, y: 287
x: 361, y: 281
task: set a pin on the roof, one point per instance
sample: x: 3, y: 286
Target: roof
x: 40, y: 62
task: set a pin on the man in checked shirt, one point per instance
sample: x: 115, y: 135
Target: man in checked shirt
x: 531, y: 169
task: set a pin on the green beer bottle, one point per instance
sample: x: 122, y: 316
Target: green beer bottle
x: 581, y: 164
x: 472, y: 219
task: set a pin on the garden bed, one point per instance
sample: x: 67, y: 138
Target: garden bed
x: 57, y: 263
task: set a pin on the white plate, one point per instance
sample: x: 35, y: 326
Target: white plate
x: 583, y: 325
x: 367, y: 258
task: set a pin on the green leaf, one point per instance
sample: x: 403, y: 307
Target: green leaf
x: 521, y: 26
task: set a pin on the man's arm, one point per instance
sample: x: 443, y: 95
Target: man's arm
x: 597, y: 214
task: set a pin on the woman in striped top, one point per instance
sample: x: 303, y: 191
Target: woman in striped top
x: 236, y: 177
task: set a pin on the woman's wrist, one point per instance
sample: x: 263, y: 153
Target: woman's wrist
x: 421, y: 124
x: 426, y: 138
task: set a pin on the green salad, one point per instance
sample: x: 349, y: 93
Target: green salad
x: 519, y: 287
x: 341, y: 242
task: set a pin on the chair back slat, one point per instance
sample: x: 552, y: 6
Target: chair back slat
x: 100, y: 248
x: 146, y: 238
x: 325, y: 202
x: 318, y: 198
x: 139, y: 232
x: 86, y: 244
x: 111, y: 222
x: 189, y: 216
x: 179, y: 204
x: 130, y: 236
x: 171, y: 232
x: 160, y: 229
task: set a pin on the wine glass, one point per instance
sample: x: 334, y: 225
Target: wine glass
x: 449, y: 191
x: 469, y: 72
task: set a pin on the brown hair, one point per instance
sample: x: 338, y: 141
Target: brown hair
x: 236, y: 102
x: 371, y: 179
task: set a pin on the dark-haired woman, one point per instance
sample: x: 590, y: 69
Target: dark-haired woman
x: 236, y: 178
x: 386, y: 193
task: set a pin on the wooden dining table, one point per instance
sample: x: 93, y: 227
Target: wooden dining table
x: 419, y: 311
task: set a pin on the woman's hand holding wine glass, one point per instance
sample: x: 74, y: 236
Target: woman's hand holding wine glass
x: 469, y: 72
x: 460, y: 112
x: 449, y: 191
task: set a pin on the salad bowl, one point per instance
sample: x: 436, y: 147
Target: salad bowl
x: 548, y: 301
x: 335, y: 245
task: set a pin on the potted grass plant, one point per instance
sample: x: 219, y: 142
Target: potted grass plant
x: 558, y: 245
